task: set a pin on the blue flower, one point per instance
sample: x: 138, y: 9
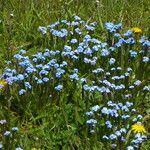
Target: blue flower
x: 129, y: 69
x: 93, y: 62
x: 133, y: 53
x: 131, y: 87
x: 130, y: 41
x: 74, y: 23
x: 1, y: 146
x: 27, y: 85
x: 128, y: 104
x: 106, y: 83
x: 18, y: 148
x: 78, y: 31
x: 112, y: 61
x: 59, y: 72
x: 144, y: 42
x: 119, y: 87
x: 123, y: 139
x: 92, y: 131
x: 119, y: 43
x: 3, y: 122
x: 95, y: 108
x: 88, y: 51
x: 146, y: 88
x: 128, y: 96
x: 113, y: 137
x: 120, y: 105
x: 105, y: 137
x: 75, y: 70
x: 74, y: 57
x: 77, y: 18
x: 111, y: 49
x: 7, y: 133
x: 74, y: 77
x: 22, y: 51
x: 125, y: 117
x: 130, y: 148
x: 67, y: 48
x: 89, y: 28
x: 39, y: 56
x: 8, y: 62
x: 79, y: 49
x: 123, y: 130
x: 18, y: 56
x: 63, y: 33
x: 46, y: 54
x: 127, y: 74
x: 125, y: 108
x: 45, y: 79
x: 105, y: 110
x: 93, y: 24
x: 128, y: 33
x: 117, y: 35
x: 118, y: 133
x: 22, y: 91
x: 87, y: 37
x: 43, y: 30
x: 59, y: 87
x: 90, y: 113
x: 34, y: 59
x: 39, y: 81
x: 137, y: 82
x: 73, y: 41
x: 108, y: 124
x: 64, y: 21
x: 145, y: 59
x: 112, y: 27
x: 26, y: 75
x: 104, y: 52
x: 139, y: 117
x: 46, y: 67
x: 43, y: 72
x: 83, y: 80
x: 30, y: 70
x: 134, y: 119
x: 91, y: 122
x: 115, y: 78
x: 114, y: 146
x: 96, y: 41
x: 20, y: 77
x: 14, y: 129
x: 107, y: 73
x: 133, y: 110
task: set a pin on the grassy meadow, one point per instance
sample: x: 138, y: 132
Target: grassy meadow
x: 68, y: 83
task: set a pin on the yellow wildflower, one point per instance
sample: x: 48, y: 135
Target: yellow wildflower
x: 138, y: 128
x: 35, y: 148
x: 3, y: 83
x: 136, y: 30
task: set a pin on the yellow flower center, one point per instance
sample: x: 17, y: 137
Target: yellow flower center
x: 136, y: 30
x: 138, y: 128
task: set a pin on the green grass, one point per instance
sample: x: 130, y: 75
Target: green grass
x: 19, y: 21
x: 20, y: 30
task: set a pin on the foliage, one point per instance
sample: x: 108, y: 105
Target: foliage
x: 74, y: 64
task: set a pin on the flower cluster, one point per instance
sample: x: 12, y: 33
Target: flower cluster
x: 46, y: 67
x: 77, y: 61
x: 116, y: 121
x: 9, y: 137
